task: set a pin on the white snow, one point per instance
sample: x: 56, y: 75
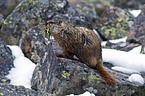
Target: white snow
x: 135, y: 13
x: 22, y: 73
x: 136, y: 78
x: 114, y: 41
x: 127, y: 62
x: 135, y: 50
x: 125, y: 70
x: 124, y: 59
x: 84, y: 94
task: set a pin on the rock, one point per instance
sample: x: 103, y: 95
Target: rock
x: 26, y: 15
x: 7, y: 6
x: 6, y: 59
x: 143, y: 49
x: 1, y: 20
x: 114, y: 23
x: 123, y: 46
x: 11, y: 90
x: 30, y: 13
x: 132, y: 4
x: 86, y: 8
x: 137, y: 30
x: 34, y: 43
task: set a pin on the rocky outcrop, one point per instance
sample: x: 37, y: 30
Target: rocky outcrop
x: 11, y: 90
x: 137, y: 30
x: 124, y: 46
x: 7, y: 6
x: 30, y: 13
x: 6, y: 58
x: 1, y: 20
x: 114, y: 23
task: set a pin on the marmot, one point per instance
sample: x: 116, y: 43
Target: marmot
x: 83, y: 43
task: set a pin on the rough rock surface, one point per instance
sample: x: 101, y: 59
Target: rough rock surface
x: 143, y: 49
x: 85, y: 7
x: 133, y: 4
x: 30, y: 13
x: 11, y: 90
x: 34, y: 43
x: 124, y: 46
x: 6, y: 58
x: 137, y: 30
x: 1, y: 20
x: 114, y: 23
x: 7, y: 6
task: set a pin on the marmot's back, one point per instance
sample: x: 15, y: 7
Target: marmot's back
x: 79, y: 41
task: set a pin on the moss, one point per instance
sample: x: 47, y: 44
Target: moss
x: 1, y: 94
x: 4, y: 22
x: 92, y: 77
x: 119, y: 19
x: 65, y: 74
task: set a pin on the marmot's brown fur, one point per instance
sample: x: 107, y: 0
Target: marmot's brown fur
x: 85, y: 44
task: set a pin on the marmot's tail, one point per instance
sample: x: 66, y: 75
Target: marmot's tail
x: 109, y: 80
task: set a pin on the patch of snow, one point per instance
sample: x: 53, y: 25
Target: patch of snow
x: 16, y: 51
x: 124, y: 59
x: 136, y: 79
x: 124, y: 70
x: 22, y: 73
x: 84, y: 94
x: 114, y: 41
x: 135, y: 50
x: 135, y: 13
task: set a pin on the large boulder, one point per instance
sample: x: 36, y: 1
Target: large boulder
x: 6, y: 58
x: 1, y: 20
x: 7, y: 6
x: 132, y: 4
x: 30, y: 13
x: 34, y: 44
x: 137, y: 30
x: 11, y: 90
x: 114, y: 23
x: 124, y: 46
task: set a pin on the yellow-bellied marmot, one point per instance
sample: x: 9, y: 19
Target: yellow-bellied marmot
x: 83, y: 43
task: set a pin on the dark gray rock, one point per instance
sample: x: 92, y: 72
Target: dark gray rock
x: 1, y: 20
x: 131, y: 4
x: 26, y: 15
x: 30, y: 13
x: 6, y: 58
x: 11, y: 90
x: 86, y: 8
x: 7, y: 6
x: 124, y: 46
x: 143, y: 49
x: 114, y: 23
x: 137, y: 30
x: 34, y: 43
